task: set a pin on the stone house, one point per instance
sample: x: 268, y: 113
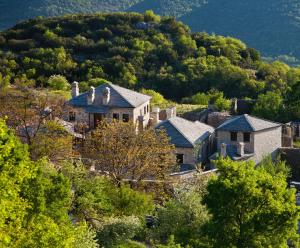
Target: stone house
x: 111, y: 102
x: 246, y: 137
x: 192, y: 140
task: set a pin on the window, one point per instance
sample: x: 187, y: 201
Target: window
x: 72, y: 116
x: 126, y: 117
x: 233, y: 136
x: 246, y: 137
x: 179, y: 158
x: 148, y: 108
x: 116, y: 116
x: 145, y: 110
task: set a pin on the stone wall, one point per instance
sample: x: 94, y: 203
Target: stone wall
x: 262, y: 144
x: 188, y: 155
x: 83, y: 117
x: 292, y: 157
x: 267, y: 142
x: 215, y: 119
x: 225, y: 137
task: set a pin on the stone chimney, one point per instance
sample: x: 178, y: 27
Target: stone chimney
x: 155, y: 115
x: 171, y: 112
x: 75, y: 89
x: 91, y: 96
x: 240, y: 149
x: 288, y: 131
x: 106, y: 96
x: 141, y: 123
x: 234, y: 105
x: 223, y: 150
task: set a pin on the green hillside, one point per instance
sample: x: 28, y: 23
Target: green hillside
x: 13, y: 11
x: 271, y: 26
x: 137, y: 51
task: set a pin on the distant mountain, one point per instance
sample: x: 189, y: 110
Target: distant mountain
x: 272, y: 26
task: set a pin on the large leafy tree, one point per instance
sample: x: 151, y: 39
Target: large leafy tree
x: 34, y: 200
x: 269, y: 106
x: 121, y: 153
x: 96, y: 198
x: 182, y: 217
x: 250, y: 207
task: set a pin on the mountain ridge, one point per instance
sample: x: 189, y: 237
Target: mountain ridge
x: 271, y: 26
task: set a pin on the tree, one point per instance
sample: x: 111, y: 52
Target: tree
x: 95, y: 197
x: 34, y: 199
x: 269, y: 106
x: 250, y: 207
x: 52, y: 141
x: 183, y: 217
x: 293, y: 101
x: 121, y: 153
x: 157, y: 98
x: 27, y: 109
x: 15, y: 169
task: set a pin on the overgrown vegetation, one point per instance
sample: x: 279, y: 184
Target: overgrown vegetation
x: 61, y: 203
x: 163, y: 56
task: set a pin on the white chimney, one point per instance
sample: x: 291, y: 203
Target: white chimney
x: 106, y: 96
x: 223, y: 150
x: 91, y: 96
x: 241, y: 149
x: 171, y: 112
x: 75, y: 89
x: 155, y: 115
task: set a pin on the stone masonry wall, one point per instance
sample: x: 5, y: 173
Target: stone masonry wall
x: 267, y: 143
x: 292, y: 157
x: 225, y: 137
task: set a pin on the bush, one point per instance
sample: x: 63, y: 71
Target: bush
x: 116, y: 231
x: 157, y: 98
x: 222, y: 104
x: 58, y: 82
x: 200, y: 98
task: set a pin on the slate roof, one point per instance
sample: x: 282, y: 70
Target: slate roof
x: 247, y: 123
x: 119, y: 98
x: 184, y: 133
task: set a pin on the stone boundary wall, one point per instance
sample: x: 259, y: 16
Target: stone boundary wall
x: 292, y: 157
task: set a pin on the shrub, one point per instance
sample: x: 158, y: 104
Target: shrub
x: 58, y: 82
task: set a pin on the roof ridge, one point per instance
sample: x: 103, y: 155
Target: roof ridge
x: 191, y: 142
x: 229, y: 121
x: 263, y: 119
x: 113, y: 87
x: 203, y: 124
x: 249, y: 122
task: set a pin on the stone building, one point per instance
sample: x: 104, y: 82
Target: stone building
x: 111, y: 102
x: 246, y: 137
x: 192, y: 140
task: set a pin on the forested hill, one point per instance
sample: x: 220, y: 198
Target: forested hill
x: 137, y: 51
x: 272, y: 26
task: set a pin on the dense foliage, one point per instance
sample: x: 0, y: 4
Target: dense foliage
x: 278, y: 19
x: 34, y: 200
x: 67, y: 205
x: 250, y: 207
x: 160, y: 54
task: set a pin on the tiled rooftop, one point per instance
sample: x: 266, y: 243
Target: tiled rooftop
x: 119, y: 97
x: 184, y: 133
x: 247, y: 123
